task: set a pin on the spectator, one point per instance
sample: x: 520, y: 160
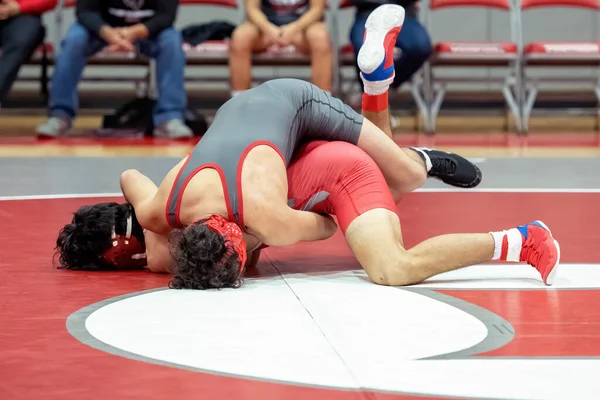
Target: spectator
x: 413, y: 41
x: 281, y: 22
x: 21, y: 31
x: 122, y: 26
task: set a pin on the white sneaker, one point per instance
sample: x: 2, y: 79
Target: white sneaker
x: 54, y: 127
x: 376, y: 56
x: 174, y: 129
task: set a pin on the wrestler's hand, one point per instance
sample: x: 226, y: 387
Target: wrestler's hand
x: 329, y: 225
x: 288, y: 33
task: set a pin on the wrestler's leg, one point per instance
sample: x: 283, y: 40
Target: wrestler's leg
x: 366, y: 213
x: 375, y: 239
x: 140, y: 192
x: 375, y: 59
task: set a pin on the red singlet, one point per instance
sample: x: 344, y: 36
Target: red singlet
x: 337, y: 178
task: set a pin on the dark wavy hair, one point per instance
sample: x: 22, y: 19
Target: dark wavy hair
x: 81, y: 243
x: 203, y: 260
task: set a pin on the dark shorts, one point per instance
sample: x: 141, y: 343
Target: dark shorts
x: 281, y: 20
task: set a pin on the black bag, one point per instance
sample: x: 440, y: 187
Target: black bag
x: 137, y: 116
x: 197, y: 34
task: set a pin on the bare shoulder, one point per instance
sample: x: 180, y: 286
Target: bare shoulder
x: 265, y: 217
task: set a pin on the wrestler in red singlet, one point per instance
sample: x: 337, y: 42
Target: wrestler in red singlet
x: 339, y: 179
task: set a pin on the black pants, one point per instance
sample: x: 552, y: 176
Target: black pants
x: 19, y: 37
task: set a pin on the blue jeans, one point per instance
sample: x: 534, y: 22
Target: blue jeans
x: 79, y: 44
x: 413, y: 40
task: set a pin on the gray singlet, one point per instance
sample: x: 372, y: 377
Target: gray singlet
x: 281, y: 113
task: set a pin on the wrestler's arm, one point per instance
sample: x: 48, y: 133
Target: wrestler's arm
x: 158, y: 253
x: 137, y: 187
x: 139, y: 191
x: 252, y: 260
x: 289, y: 226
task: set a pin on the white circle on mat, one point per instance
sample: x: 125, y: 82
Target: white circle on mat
x: 331, y: 330
x: 311, y: 335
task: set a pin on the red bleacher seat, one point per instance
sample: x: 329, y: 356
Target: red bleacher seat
x: 557, y: 48
x: 346, y: 56
x: 562, y: 53
x: 347, y: 49
x: 476, y: 49
x: 473, y: 52
x: 38, y: 54
x: 558, y: 53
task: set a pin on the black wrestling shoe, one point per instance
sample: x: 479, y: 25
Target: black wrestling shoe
x: 453, y: 169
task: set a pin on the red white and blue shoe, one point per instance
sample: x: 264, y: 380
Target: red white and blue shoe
x: 376, y: 56
x: 538, y: 248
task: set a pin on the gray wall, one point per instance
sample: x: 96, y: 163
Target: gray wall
x: 454, y: 24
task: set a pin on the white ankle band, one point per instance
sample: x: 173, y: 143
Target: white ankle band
x: 374, y: 88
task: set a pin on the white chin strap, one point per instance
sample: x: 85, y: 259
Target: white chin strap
x: 113, y: 234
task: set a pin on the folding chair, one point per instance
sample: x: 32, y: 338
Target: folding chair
x: 470, y: 54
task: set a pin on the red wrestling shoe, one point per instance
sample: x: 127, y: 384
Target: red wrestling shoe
x: 540, y: 250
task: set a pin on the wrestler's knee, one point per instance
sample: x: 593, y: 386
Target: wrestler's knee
x: 399, y: 271
x: 416, y: 173
x: 413, y: 176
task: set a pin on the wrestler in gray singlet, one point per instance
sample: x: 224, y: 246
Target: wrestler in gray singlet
x: 281, y: 113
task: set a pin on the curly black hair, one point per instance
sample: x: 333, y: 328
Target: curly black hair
x: 81, y: 243
x: 203, y: 260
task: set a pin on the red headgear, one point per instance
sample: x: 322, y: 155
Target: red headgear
x: 127, y: 252
x: 232, y: 233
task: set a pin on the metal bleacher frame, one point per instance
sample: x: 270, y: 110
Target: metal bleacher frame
x: 471, y: 54
x: 551, y: 54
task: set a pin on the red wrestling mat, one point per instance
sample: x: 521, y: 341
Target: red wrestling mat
x: 41, y: 360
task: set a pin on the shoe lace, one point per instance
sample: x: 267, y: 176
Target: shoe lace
x: 532, y: 252
x: 443, y: 165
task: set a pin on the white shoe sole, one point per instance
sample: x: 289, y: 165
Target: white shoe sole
x: 552, y: 275
x: 383, y: 19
